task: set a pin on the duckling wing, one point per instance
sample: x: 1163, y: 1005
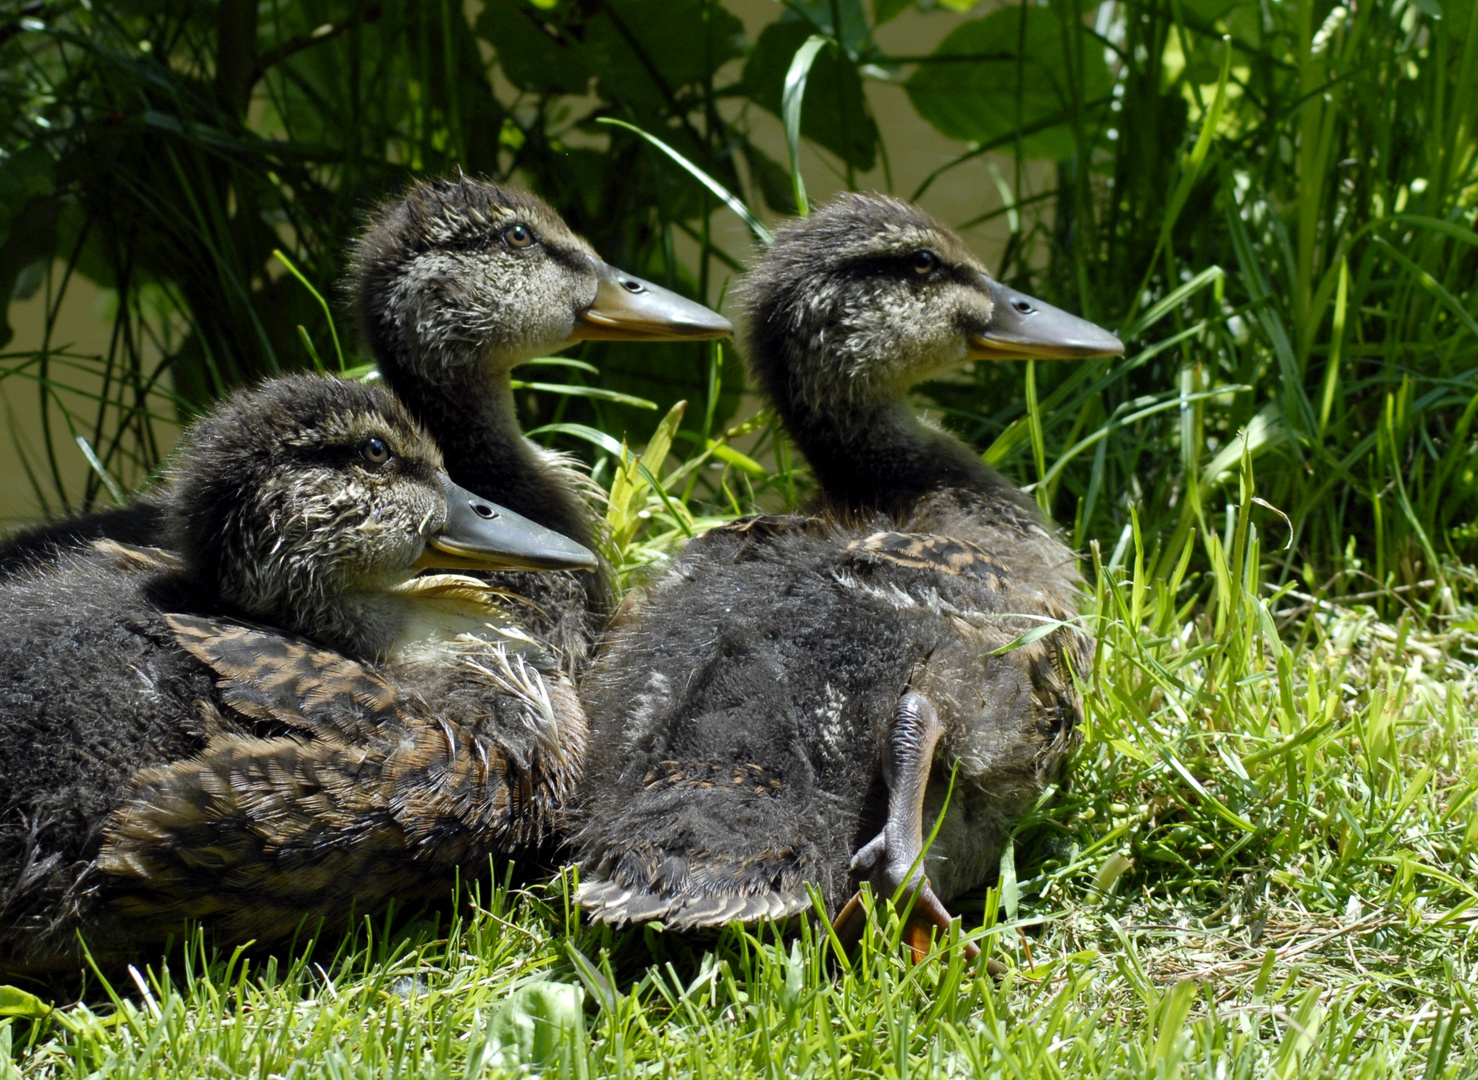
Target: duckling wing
x: 256, y: 835
x: 273, y: 676
x: 947, y: 555
x: 737, y: 719
x: 777, y: 651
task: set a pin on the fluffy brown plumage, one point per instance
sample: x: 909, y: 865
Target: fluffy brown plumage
x: 163, y: 755
x: 787, y: 705
x: 453, y: 284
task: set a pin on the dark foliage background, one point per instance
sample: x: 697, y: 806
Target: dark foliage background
x: 1273, y: 201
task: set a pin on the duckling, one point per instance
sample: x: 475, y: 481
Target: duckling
x: 275, y: 719
x: 792, y: 703
x: 457, y: 283
x: 453, y: 285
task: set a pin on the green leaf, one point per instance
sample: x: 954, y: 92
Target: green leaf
x: 562, y: 361
x: 591, y: 435
x: 993, y: 75
x: 328, y: 314
x: 732, y: 201
x: 531, y: 58
x: 28, y: 212
x: 531, y: 1027
x: 1219, y: 808
x: 640, y: 52
x: 17, y: 1002
x: 644, y: 51
x: 770, y: 177
x: 790, y: 105
x: 1432, y: 285
x: 1112, y: 869
x: 1010, y: 893
x: 729, y: 456
x: 855, y: 32
x: 887, y: 10
x: 23, y: 176
x: 660, y: 443
x: 571, y: 390
x: 836, y: 114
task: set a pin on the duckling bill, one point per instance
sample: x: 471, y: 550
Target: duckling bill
x: 277, y: 720
x: 480, y: 535
x: 790, y: 704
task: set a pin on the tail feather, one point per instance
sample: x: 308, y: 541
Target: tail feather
x: 708, y: 851
x: 609, y: 902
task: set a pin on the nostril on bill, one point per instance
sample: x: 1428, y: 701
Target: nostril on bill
x: 482, y: 510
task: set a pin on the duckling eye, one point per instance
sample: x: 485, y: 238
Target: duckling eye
x: 924, y: 262
x: 518, y: 236
x: 375, y: 450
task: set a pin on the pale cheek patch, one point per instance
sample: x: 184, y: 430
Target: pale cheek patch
x: 873, y: 346
x: 450, y: 304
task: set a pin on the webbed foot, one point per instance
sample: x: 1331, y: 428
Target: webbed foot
x: 894, y: 859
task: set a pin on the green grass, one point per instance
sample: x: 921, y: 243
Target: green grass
x: 1262, y: 868
x: 1265, y: 862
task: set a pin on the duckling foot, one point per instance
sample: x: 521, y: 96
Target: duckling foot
x: 893, y: 859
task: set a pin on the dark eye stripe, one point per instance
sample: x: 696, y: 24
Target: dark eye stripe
x: 901, y: 267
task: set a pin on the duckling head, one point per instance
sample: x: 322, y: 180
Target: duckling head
x: 304, y: 501
x: 463, y: 272
x: 849, y: 308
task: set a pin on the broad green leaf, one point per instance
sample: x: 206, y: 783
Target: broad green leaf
x: 988, y: 77
x: 1209, y: 11
x: 856, y: 34
x: 532, y: 59
x: 887, y: 10
x: 28, y: 214
x: 17, y: 1002
x: 533, y: 1026
x: 770, y: 177
x: 655, y: 454
x: 643, y: 51
x: 23, y: 176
